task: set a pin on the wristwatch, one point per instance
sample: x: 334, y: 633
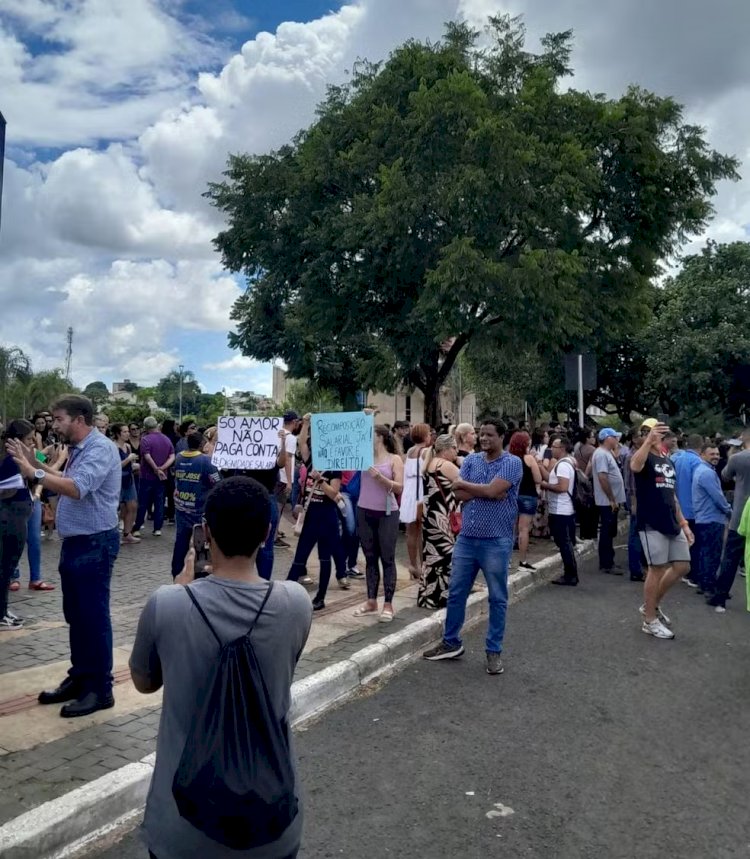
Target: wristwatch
x: 39, y: 475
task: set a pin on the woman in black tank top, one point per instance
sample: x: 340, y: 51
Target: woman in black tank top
x: 528, y: 497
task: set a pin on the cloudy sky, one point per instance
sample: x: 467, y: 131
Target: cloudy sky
x: 120, y: 111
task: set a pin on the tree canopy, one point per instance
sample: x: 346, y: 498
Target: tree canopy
x: 451, y: 193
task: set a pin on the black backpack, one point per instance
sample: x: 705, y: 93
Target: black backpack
x: 235, y: 781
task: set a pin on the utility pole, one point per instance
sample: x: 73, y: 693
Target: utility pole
x: 581, y: 415
x: 182, y: 366
x: 69, y: 353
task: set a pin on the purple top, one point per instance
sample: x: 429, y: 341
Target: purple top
x: 373, y: 495
x: 160, y: 448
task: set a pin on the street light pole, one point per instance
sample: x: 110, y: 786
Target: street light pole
x: 181, y: 369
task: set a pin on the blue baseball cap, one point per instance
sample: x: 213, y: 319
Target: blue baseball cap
x: 608, y: 432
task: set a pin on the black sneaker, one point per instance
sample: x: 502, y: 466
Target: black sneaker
x: 281, y: 543
x: 443, y: 651
x: 562, y: 580
x: 494, y: 663
x: 525, y: 565
x: 10, y: 622
x: 354, y: 573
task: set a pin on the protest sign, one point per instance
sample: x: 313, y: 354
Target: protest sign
x: 341, y: 441
x: 247, y: 442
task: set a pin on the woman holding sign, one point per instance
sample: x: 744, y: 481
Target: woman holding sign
x: 378, y: 517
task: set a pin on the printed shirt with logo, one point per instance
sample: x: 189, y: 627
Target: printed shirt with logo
x: 194, y: 476
x: 655, y: 496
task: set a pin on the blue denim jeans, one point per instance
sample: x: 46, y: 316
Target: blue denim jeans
x: 86, y: 564
x: 150, y: 492
x: 492, y: 557
x: 33, y: 545
x: 635, y: 549
x: 264, y: 558
x: 183, y: 534
x: 710, y: 540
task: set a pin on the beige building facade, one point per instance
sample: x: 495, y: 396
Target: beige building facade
x: 403, y: 405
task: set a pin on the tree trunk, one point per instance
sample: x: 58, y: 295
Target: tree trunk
x: 432, y: 414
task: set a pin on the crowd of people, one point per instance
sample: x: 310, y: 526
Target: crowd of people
x: 465, y: 497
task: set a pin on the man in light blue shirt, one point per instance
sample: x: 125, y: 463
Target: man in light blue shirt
x: 89, y: 491
x: 685, y: 466
x: 711, y: 512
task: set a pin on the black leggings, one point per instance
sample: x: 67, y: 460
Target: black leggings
x: 321, y: 526
x: 378, y: 535
x: 14, y: 521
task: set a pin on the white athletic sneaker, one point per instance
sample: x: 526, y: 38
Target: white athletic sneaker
x: 657, y: 629
x: 720, y: 609
x: 659, y: 614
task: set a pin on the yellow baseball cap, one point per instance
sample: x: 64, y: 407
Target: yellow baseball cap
x: 649, y: 423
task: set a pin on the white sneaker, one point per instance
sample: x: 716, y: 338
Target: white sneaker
x: 689, y: 582
x: 720, y: 609
x: 657, y: 629
x: 659, y: 614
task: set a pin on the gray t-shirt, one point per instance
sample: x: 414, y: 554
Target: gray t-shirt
x: 174, y: 643
x: 738, y: 469
x: 603, y: 462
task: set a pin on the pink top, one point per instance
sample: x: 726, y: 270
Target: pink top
x: 372, y: 494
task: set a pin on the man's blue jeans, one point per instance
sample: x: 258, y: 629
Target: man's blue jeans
x: 635, y: 549
x: 492, y: 557
x: 710, y: 538
x: 264, y: 558
x: 183, y: 534
x: 86, y: 564
x: 150, y: 491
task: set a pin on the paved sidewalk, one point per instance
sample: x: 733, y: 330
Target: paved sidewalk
x: 43, y: 756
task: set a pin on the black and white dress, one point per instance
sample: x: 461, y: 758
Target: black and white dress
x: 437, y: 540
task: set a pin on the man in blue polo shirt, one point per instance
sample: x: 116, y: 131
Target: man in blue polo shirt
x: 685, y: 467
x: 488, y: 484
x: 89, y: 497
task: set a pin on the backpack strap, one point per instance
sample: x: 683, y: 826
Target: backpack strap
x: 202, y: 614
x: 262, y: 606
x: 208, y: 622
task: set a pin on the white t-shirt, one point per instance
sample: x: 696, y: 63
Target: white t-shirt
x: 291, y: 449
x: 561, y: 503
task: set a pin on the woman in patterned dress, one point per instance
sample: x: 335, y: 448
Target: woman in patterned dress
x: 440, y: 471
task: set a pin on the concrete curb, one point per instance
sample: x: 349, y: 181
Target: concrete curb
x: 61, y: 826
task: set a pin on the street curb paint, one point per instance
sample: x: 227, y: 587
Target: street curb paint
x: 63, y: 825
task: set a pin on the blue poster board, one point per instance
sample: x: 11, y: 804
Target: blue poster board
x: 342, y: 441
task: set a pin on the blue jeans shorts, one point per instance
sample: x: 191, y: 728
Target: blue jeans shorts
x: 527, y: 504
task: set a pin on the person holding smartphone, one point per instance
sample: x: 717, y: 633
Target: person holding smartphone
x: 664, y: 531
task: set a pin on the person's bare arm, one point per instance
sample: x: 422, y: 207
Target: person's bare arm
x: 534, y: 466
x: 281, y: 458
x: 683, y: 522
x: 639, y: 458
x: 52, y: 481
x: 303, y: 443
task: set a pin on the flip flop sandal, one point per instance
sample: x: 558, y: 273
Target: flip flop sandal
x: 15, y: 586
x: 363, y: 610
x: 41, y: 586
x: 386, y: 616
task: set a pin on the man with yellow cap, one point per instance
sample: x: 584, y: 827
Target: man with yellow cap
x: 664, y: 532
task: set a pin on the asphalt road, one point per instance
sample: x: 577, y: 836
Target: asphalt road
x: 598, y: 741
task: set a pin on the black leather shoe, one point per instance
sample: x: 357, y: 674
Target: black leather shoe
x: 318, y: 605
x: 563, y: 581
x: 68, y: 690
x: 88, y: 704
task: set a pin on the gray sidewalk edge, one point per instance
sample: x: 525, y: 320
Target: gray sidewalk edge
x: 61, y: 826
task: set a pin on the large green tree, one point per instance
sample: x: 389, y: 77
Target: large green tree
x: 699, y: 338
x: 97, y: 392
x: 452, y: 193
x: 168, y: 393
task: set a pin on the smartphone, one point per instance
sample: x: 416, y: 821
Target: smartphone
x: 202, y: 552
x: 663, y: 418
